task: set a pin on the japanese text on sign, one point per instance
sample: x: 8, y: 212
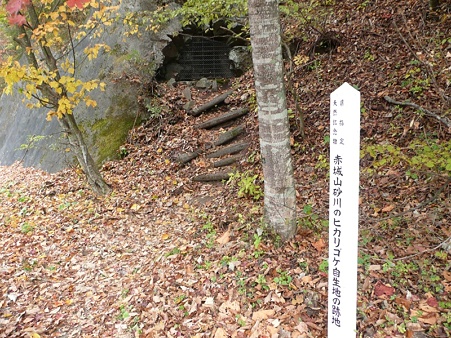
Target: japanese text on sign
x: 343, y: 210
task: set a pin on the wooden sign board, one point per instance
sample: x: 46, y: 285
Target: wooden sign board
x: 343, y: 211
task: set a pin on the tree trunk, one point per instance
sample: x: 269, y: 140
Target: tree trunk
x: 81, y: 152
x: 280, y: 196
x: 67, y: 121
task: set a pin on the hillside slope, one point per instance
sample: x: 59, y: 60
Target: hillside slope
x: 163, y: 256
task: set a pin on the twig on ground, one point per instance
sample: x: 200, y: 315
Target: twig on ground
x: 446, y: 121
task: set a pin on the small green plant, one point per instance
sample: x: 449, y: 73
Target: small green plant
x: 241, y: 283
x: 324, y: 266
x: 447, y: 322
x: 23, y: 212
x: 240, y: 320
x: 32, y: 140
x: 414, y: 81
x: 326, y: 139
x: 399, y: 268
x: 303, y: 265
x: 123, y: 312
x: 211, y: 233
x: 226, y: 260
x: 257, y: 239
x: 443, y: 255
x: 322, y: 162
x: 25, y: 228
x: 312, y: 221
x: 261, y: 282
x: 284, y: 278
x: 6, y: 191
x: 433, y: 155
x: 29, y: 265
x: 123, y: 152
x: 22, y: 199
x: 154, y: 110
x: 180, y: 298
x: 402, y: 328
x: 206, y: 266
x: 368, y: 56
x: 316, y: 64
x: 364, y: 259
x: 258, y: 253
x: 173, y: 251
x: 136, y: 325
x: 247, y: 186
x: 64, y: 206
x: 364, y: 4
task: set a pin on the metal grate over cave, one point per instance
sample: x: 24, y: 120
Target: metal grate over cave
x: 204, y: 57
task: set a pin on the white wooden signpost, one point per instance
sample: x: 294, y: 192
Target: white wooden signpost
x: 343, y: 211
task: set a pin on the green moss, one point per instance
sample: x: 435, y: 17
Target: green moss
x: 109, y: 135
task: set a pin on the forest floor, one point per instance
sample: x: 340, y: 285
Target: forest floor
x: 163, y: 256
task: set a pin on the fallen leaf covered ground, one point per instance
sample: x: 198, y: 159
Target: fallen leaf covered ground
x: 163, y: 256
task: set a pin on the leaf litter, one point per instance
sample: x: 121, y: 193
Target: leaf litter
x: 163, y: 256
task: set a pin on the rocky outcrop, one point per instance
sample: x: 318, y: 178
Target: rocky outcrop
x: 26, y: 136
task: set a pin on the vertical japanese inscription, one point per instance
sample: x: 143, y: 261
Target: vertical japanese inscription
x: 343, y: 210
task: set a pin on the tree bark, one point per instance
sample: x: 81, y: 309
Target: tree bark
x: 279, y: 187
x: 81, y: 152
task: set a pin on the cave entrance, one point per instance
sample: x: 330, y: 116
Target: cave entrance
x: 205, y: 57
x: 192, y: 55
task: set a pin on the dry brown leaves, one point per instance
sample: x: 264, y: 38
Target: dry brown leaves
x: 165, y: 257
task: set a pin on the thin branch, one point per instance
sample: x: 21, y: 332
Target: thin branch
x: 234, y: 35
x: 424, y: 251
x: 71, y: 44
x: 442, y: 119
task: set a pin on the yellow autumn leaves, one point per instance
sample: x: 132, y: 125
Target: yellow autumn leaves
x: 68, y: 90
x: 50, y: 81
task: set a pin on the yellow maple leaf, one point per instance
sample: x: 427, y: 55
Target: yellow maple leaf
x: 135, y: 207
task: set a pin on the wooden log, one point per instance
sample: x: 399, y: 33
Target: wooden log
x: 223, y: 138
x: 186, y: 157
x: 231, y: 115
x: 227, y: 161
x: 219, y: 176
x: 217, y: 100
x: 229, y: 135
x: 234, y: 148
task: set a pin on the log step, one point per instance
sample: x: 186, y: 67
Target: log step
x: 219, y: 176
x: 231, y: 115
x: 217, y: 100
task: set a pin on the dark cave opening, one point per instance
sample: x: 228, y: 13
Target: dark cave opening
x: 194, y: 54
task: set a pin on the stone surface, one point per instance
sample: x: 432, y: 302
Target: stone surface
x: 187, y: 93
x: 203, y: 83
x: 105, y: 126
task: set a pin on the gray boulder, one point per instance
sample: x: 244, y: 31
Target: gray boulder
x: 26, y: 135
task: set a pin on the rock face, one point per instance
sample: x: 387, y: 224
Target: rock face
x: 26, y: 135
